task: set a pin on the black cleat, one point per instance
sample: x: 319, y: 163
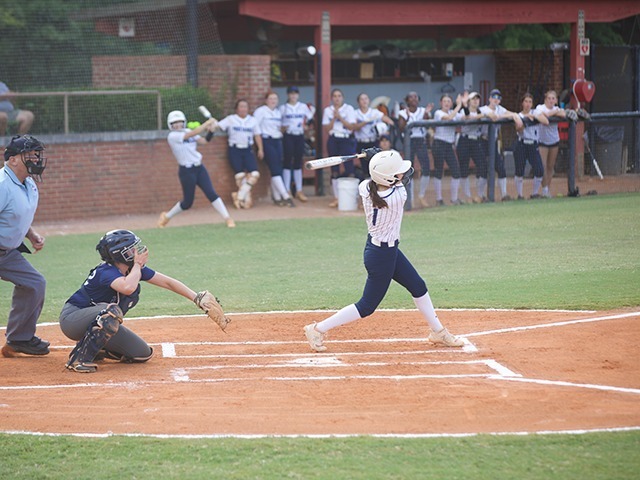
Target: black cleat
x: 35, y: 346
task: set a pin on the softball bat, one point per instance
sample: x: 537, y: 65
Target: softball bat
x: 330, y: 161
x: 205, y: 111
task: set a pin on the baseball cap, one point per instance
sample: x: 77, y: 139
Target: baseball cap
x: 473, y: 95
x: 385, y: 137
x: 292, y: 89
x: 495, y: 91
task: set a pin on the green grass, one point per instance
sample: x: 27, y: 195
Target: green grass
x: 563, y: 253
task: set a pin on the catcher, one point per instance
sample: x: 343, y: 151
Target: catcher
x: 93, y: 315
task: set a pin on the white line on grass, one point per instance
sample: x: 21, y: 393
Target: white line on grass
x: 258, y: 436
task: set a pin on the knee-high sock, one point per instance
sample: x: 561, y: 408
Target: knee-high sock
x: 175, y: 210
x: 347, y: 315
x: 455, y: 184
x: 425, y: 306
x: 220, y: 207
x: 437, y: 185
x: 297, y: 179
x: 275, y: 191
x: 286, y: 178
x: 244, y: 191
x: 537, y: 181
x: 278, y: 184
x: 334, y: 187
x: 466, y: 187
x: 502, y: 182
x: 519, y: 181
x: 481, y: 187
x: 424, y: 184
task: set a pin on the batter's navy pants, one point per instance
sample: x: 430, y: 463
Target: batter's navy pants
x: 189, y: 178
x: 384, y: 264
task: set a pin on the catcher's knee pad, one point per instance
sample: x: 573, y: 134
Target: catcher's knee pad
x: 100, y: 331
x: 120, y: 357
x: 252, y: 178
x: 240, y: 179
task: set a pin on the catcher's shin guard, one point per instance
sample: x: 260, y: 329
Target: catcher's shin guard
x: 104, y: 327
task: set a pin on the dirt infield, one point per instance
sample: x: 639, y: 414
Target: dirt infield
x: 519, y: 371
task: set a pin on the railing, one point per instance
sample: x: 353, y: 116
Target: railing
x: 66, y: 95
x: 571, y: 174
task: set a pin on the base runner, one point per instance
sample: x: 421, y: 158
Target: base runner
x: 383, y: 197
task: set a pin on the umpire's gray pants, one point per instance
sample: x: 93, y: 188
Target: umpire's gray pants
x: 74, y: 322
x: 28, y: 295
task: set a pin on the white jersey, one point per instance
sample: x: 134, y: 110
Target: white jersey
x: 530, y: 133
x: 471, y: 130
x: 548, y: 134
x: 294, y: 117
x: 368, y: 133
x: 446, y: 134
x: 487, y: 110
x: 185, y: 151
x: 339, y: 130
x: 240, y: 130
x: 269, y: 121
x: 383, y: 224
x: 417, y: 116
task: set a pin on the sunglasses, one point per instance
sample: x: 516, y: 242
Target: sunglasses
x: 499, y: 97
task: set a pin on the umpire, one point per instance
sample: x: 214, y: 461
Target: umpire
x: 24, y: 162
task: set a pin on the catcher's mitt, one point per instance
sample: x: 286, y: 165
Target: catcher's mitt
x: 210, y: 305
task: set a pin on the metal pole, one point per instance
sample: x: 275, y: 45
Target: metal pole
x: 159, y: 103
x: 406, y: 154
x: 318, y: 126
x: 65, y: 103
x: 571, y: 175
x: 491, y: 166
x: 192, y: 42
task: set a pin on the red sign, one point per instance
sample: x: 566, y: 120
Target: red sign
x: 585, y: 47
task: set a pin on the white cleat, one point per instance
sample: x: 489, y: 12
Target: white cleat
x: 443, y: 337
x: 315, y: 338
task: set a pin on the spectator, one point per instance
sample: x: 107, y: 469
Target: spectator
x: 10, y: 115
x: 418, y: 138
x: 24, y: 162
x: 549, y: 139
x: 495, y: 111
x: 338, y: 122
x: 365, y: 130
x: 470, y: 145
x: 443, y: 140
x: 527, y: 146
x: 269, y: 118
x: 295, y: 116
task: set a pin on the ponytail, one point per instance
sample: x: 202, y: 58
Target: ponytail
x: 377, y: 201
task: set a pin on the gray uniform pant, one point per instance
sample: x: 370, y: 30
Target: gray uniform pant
x: 28, y: 295
x: 74, y: 322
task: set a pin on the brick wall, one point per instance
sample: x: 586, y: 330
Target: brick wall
x: 88, y: 179
x: 227, y: 77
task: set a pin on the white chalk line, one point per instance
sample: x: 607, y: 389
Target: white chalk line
x: 249, y: 436
x: 280, y: 312
x: 570, y: 384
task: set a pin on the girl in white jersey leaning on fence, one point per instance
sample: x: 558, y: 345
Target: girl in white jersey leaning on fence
x: 383, y: 198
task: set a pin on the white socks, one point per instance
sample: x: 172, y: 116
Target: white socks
x: 334, y: 187
x: 424, y: 184
x: 175, y: 210
x: 481, y: 186
x: 297, y: 179
x: 466, y: 187
x: 286, y: 178
x: 455, y: 184
x: 437, y: 184
x: 220, y: 207
x: 519, y: 181
x: 502, y: 182
x: 428, y: 312
x: 347, y: 315
x: 537, y: 182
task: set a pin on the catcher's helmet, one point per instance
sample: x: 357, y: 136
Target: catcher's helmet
x: 31, y: 149
x: 176, y: 116
x: 384, y: 166
x: 119, y: 246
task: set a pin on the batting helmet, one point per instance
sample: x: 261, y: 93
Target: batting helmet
x: 31, y: 149
x: 385, y: 166
x: 176, y: 116
x: 119, y: 246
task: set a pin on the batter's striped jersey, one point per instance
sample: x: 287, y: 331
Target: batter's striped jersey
x: 384, y: 224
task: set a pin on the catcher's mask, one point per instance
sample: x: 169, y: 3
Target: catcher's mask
x: 31, y: 151
x: 119, y: 246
